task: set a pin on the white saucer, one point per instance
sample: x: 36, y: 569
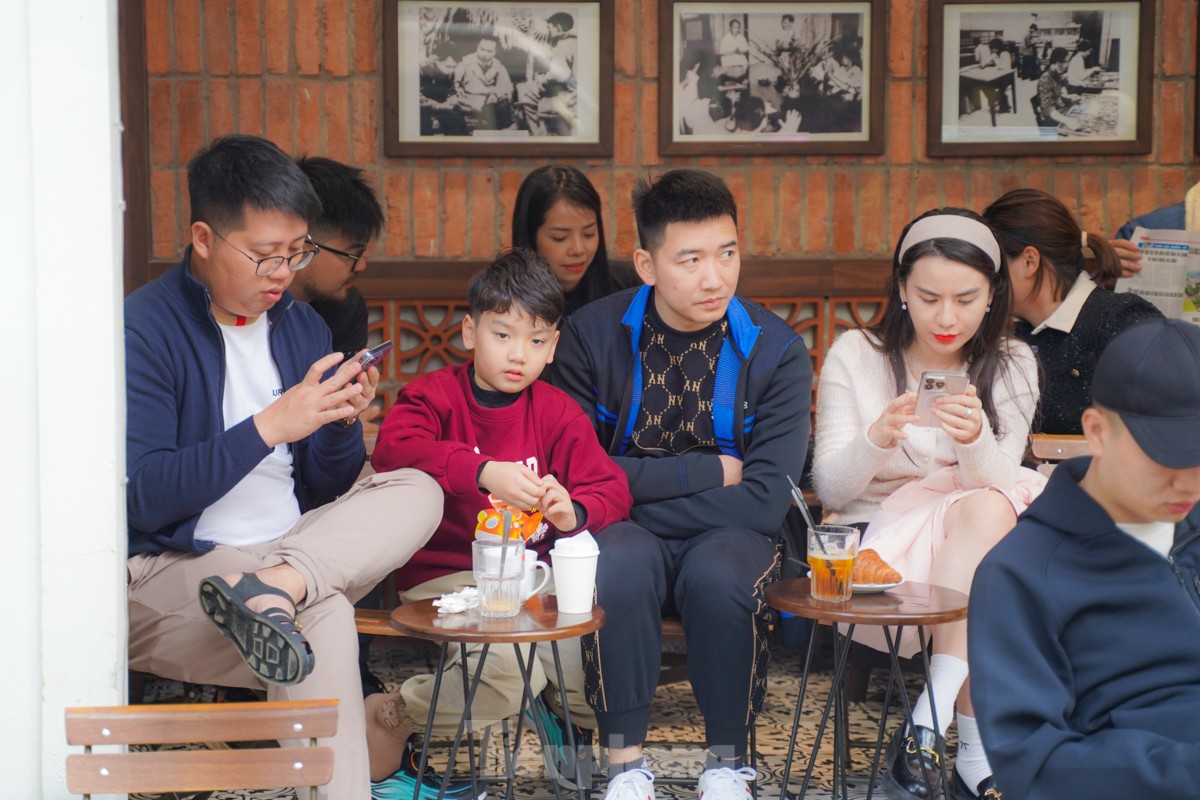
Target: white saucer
x: 873, y: 588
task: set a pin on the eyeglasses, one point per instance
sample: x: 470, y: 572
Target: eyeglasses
x: 267, y: 266
x: 358, y: 251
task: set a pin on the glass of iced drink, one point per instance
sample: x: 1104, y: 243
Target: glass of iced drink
x: 499, y: 567
x: 831, y: 552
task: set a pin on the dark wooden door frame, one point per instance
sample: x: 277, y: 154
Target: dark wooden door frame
x: 135, y: 159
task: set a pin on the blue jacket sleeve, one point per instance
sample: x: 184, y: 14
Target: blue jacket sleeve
x: 168, y: 483
x: 332, y: 459
x: 1021, y: 687
x: 776, y: 449
x: 1171, y: 218
x: 650, y: 479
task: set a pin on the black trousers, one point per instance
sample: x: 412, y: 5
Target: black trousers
x: 714, y: 583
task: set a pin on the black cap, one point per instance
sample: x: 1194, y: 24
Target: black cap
x: 1150, y: 376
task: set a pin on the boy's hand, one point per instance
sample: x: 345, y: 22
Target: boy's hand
x: 556, y: 505
x: 513, y: 483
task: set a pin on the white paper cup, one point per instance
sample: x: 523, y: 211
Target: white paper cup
x: 574, y: 581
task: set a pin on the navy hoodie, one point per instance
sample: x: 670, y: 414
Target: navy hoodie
x: 1085, y: 654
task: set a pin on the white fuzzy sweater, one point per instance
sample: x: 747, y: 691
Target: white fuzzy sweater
x: 852, y: 476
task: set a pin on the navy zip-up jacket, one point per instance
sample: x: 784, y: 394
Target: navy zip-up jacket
x: 180, y: 457
x: 762, y: 400
x: 1085, y: 654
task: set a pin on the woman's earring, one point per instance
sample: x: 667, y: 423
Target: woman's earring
x: 903, y: 306
x: 989, y: 308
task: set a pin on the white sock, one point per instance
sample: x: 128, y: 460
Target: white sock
x: 971, y: 763
x: 947, y: 675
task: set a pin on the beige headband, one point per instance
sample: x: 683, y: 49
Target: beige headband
x: 953, y: 226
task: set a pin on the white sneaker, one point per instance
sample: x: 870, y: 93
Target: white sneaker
x: 634, y: 784
x: 726, y: 783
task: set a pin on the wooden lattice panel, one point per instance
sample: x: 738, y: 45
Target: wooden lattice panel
x: 807, y: 317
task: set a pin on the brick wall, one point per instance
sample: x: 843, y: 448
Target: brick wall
x: 307, y: 74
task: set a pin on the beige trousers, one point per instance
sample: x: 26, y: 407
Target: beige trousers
x: 500, y: 688
x: 341, y: 550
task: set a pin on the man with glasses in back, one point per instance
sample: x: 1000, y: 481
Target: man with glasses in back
x: 350, y: 220
x: 239, y: 415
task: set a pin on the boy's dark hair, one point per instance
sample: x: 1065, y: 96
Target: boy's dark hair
x: 1058, y: 54
x: 517, y: 277
x: 237, y: 172
x: 348, y: 205
x: 681, y: 195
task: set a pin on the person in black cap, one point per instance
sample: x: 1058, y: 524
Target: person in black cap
x: 1084, y: 621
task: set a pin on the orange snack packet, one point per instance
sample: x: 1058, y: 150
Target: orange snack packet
x: 491, y: 521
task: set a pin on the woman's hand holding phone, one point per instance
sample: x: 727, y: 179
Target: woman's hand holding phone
x: 960, y: 415
x: 888, y: 429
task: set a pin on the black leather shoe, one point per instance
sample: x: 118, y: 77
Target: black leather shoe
x: 986, y: 790
x: 914, y: 765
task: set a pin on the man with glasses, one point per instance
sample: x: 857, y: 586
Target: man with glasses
x: 239, y: 415
x: 350, y: 220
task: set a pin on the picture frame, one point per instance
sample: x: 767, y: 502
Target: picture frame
x: 489, y: 78
x: 771, y: 77
x: 1046, y: 78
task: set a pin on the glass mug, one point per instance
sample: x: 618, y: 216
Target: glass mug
x: 831, y: 553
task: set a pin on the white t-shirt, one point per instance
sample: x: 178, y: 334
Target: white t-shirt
x: 262, y: 506
x: 1158, y: 536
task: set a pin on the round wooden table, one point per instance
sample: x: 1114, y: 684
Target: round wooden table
x: 915, y: 605
x: 538, y: 621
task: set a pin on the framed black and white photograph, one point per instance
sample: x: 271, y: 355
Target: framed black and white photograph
x: 771, y: 77
x: 1040, y: 78
x: 498, y: 79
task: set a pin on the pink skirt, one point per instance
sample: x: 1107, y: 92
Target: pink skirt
x: 907, y: 532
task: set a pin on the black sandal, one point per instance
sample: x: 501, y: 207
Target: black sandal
x: 270, y: 642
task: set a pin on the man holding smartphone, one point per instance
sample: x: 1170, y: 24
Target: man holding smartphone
x: 234, y: 408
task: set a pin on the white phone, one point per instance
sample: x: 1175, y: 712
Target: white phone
x: 934, y: 384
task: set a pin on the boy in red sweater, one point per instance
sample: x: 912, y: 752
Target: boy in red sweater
x: 491, y: 427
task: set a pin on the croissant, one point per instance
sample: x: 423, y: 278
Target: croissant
x: 870, y: 568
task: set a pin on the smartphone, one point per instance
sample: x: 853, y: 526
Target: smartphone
x: 934, y: 384
x: 374, y: 356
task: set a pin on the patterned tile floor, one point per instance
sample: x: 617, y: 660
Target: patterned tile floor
x: 675, y: 728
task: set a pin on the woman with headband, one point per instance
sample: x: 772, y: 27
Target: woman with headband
x: 1061, y: 312
x: 932, y: 500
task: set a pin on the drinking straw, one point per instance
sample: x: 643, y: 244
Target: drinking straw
x: 506, y: 535
x: 798, y: 498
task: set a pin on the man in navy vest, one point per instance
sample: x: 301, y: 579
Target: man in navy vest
x: 703, y: 399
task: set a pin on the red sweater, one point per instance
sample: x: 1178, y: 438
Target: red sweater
x: 436, y: 426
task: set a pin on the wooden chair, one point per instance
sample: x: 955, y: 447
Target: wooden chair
x: 199, y: 770
x: 1048, y: 449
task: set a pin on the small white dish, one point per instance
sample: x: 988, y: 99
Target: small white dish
x: 874, y: 588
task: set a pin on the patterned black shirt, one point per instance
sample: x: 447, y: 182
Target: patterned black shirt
x: 678, y: 374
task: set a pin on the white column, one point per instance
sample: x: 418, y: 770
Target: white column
x: 62, y: 403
